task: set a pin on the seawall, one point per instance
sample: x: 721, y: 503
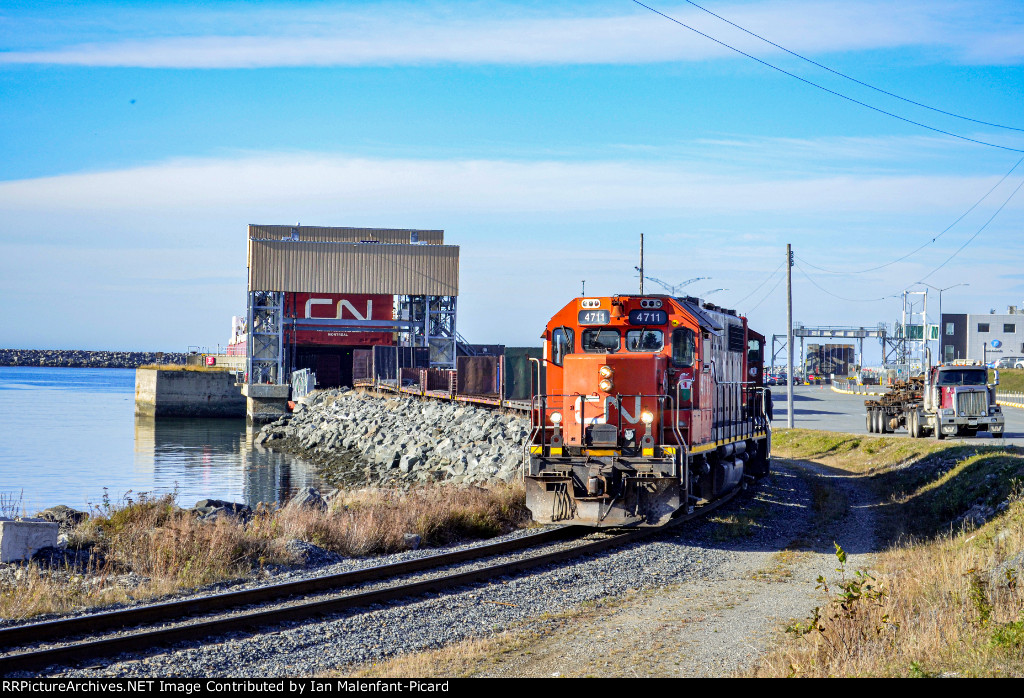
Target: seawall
x: 77, y: 358
x: 357, y: 438
x: 177, y: 393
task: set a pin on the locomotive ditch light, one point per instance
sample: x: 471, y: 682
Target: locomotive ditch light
x: 606, y: 385
x: 647, y: 417
x: 556, y: 418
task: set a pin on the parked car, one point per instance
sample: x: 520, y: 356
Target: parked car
x: 1009, y: 361
x: 1019, y: 364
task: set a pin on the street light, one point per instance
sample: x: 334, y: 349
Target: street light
x: 941, y: 328
x: 708, y: 293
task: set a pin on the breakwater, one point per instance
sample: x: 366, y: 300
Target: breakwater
x: 77, y: 358
x: 356, y: 438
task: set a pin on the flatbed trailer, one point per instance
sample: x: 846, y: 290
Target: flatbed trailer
x: 948, y: 400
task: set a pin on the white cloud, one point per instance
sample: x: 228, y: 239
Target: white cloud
x: 258, y: 185
x: 391, y: 34
x: 127, y: 241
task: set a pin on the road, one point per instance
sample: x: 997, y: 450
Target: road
x: 818, y: 407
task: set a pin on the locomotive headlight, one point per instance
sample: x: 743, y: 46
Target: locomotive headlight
x: 646, y: 417
x: 606, y: 385
x: 556, y: 417
x: 606, y: 371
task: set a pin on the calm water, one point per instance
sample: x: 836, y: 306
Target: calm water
x: 68, y: 433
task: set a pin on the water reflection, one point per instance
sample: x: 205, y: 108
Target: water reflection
x: 69, y: 438
x: 215, y: 458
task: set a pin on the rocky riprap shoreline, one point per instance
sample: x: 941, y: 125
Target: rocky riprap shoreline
x: 357, y: 438
x: 76, y: 358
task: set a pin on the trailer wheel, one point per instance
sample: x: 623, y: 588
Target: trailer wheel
x: 913, y: 426
x: 869, y: 425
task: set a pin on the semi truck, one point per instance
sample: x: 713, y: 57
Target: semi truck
x: 951, y: 399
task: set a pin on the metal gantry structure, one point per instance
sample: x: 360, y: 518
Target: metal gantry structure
x: 422, y: 321
x: 432, y: 324
x: 894, y: 346
x: 265, y: 348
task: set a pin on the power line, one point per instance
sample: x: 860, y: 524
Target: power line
x: 971, y: 239
x: 767, y: 295
x: 825, y: 89
x: 842, y: 298
x: 848, y: 77
x: 909, y: 254
x: 758, y: 286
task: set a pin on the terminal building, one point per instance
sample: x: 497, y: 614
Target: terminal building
x: 984, y: 338
x: 321, y: 298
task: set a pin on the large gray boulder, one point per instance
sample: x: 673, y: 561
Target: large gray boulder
x: 308, y: 498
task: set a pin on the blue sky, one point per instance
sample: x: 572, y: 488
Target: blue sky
x: 139, y: 140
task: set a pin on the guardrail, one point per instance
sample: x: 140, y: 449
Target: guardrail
x: 1010, y: 399
x: 841, y: 385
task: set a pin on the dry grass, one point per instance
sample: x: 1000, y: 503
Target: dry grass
x: 941, y: 600
x: 850, y: 452
x: 188, y: 367
x: 370, y: 522
x: 949, y: 606
x: 150, y: 548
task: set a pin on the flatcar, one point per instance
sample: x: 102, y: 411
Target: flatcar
x: 646, y: 405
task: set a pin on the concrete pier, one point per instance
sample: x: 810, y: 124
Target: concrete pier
x: 265, y: 403
x: 188, y: 393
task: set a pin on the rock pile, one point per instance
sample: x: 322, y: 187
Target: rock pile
x: 359, y: 438
x: 75, y: 358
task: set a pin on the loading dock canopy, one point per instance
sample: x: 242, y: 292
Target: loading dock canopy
x: 344, y: 267
x: 317, y: 233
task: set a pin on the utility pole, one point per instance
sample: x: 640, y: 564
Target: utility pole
x: 641, y: 264
x: 789, y: 336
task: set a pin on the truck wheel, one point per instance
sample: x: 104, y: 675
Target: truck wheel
x: 869, y: 425
x: 939, y: 436
x: 912, y: 426
x: 884, y: 419
x: 874, y: 421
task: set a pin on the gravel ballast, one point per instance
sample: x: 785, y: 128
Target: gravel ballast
x: 692, y: 554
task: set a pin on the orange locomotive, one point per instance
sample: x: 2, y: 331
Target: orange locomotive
x: 647, y: 405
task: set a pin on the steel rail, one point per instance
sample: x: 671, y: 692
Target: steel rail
x: 159, y: 612
x: 142, y: 641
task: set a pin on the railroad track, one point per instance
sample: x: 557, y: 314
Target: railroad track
x: 157, y: 625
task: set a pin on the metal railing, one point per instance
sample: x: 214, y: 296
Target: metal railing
x: 303, y: 383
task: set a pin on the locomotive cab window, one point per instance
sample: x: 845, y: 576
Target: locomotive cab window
x: 754, y: 351
x: 683, y: 347
x: 644, y: 340
x: 600, y: 340
x: 562, y: 340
